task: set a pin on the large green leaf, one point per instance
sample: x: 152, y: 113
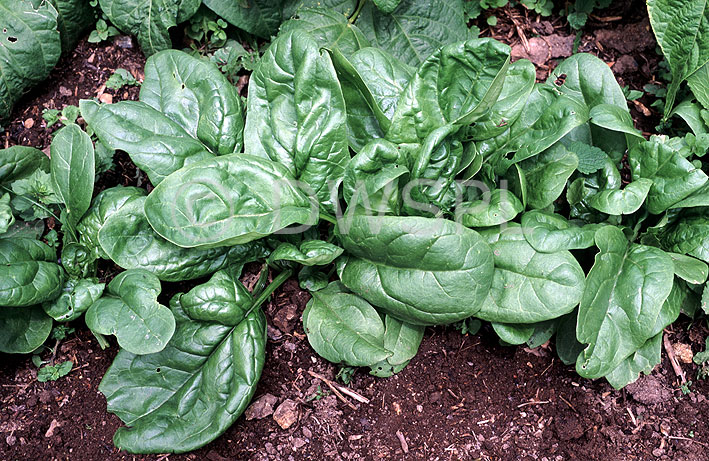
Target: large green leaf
x: 73, y: 170
x: 625, y: 291
x: 106, y: 203
x: 494, y: 208
x: 372, y: 81
x: 156, y: 144
x: 207, y: 372
x: 194, y: 94
x: 29, y: 48
x: 546, y: 175
x: 626, y: 201
x: 18, y: 162
x: 211, y: 203
x: 329, y: 28
x: 344, y: 328
x: 513, y: 334
x: 673, y: 177
x: 456, y: 85
x: 296, y: 114
x: 149, y: 20
x: 415, y: 29
x: 682, y: 31
x: 550, y: 232
x: 29, y: 273
x: 257, y: 17
x: 528, y: 286
x: 641, y: 361
x: 23, y: 329
x: 130, y: 242
x: 422, y: 271
x: 131, y: 312
x: 688, y: 235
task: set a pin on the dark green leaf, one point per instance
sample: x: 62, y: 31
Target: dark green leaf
x: 23, y: 329
x: 73, y: 170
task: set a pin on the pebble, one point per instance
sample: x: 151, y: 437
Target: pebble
x: 29, y: 123
x: 286, y: 414
x: 261, y: 407
x: 106, y: 98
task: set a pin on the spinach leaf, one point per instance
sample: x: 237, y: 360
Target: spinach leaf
x: 73, y: 19
x: 76, y: 298
x: 329, y: 28
x: 296, y: 114
x: 127, y: 239
x: 208, y: 372
x: 23, y: 329
x: 626, y: 201
x: 18, y: 162
x: 527, y: 286
x: 307, y: 253
x: 511, y: 334
x: 403, y: 341
x: 494, y: 208
x: 550, y: 232
x: 546, y: 175
x: 625, y: 291
x: 131, y: 312
x: 416, y: 269
x: 73, y: 170
x: 195, y: 95
x: 31, y: 46
x: 29, y: 273
x: 226, y: 213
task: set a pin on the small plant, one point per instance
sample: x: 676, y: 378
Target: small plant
x: 344, y: 374
x: 120, y: 78
x: 317, y: 395
x: 68, y: 115
x: 54, y: 372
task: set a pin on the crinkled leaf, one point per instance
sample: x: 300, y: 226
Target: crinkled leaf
x: 496, y: 207
x: 307, y: 252
x: 550, y: 232
x: 329, y: 28
x: 296, y: 114
x: 77, y: 296
x: 344, y: 328
x: 211, y: 203
x: 156, y: 144
x: 130, y: 311
x: 546, y: 175
x: 195, y: 95
x: 591, y: 158
x: 130, y: 242
x: 7, y: 219
x: 624, y: 293
x: 415, y: 29
x: 417, y: 269
x: 626, y: 201
x: 23, y: 329
x: 688, y: 235
x: 29, y: 273
x: 528, y: 286
x: 207, y: 372
x: 673, y: 177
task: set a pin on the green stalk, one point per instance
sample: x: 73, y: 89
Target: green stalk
x: 268, y: 291
x: 354, y: 16
x: 328, y: 218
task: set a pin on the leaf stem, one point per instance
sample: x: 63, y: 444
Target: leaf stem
x: 328, y: 218
x: 268, y: 291
x: 354, y: 16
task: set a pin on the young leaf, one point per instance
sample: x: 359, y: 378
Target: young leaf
x: 403, y: 341
x: 296, y: 114
x: 73, y: 170
x: 28, y: 272
x: 546, y: 175
x: 497, y: 207
x: 54, y: 372
x: 307, y: 253
x: 626, y: 201
x: 511, y: 334
x: 207, y: 372
x: 77, y: 296
x: 550, y: 232
x: 131, y: 312
x: 591, y: 158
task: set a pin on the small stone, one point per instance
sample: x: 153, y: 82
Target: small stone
x: 91, y: 58
x: 298, y: 443
x: 52, y: 426
x: 270, y: 449
x: 683, y: 352
x: 29, y: 123
x: 286, y: 414
x: 11, y: 440
x: 434, y: 397
x: 31, y: 402
x: 625, y: 64
x: 657, y: 452
x: 307, y: 433
x: 286, y: 318
x: 123, y: 41
x: 106, y: 98
x: 64, y: 91
x: 261, y: 407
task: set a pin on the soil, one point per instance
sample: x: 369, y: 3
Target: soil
x: 462, y: 396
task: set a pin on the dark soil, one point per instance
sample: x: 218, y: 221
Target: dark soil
x: 462, y: 397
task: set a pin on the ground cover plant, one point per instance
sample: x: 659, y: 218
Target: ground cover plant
x: 406, y: 183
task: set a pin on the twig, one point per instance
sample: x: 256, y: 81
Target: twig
x: 673, y: 359
x: 533, y: 402
x: 339, y: 390
x: 632, y: 416
x: 687, y: 439
x: 402, y: 440
x: 568, y: 403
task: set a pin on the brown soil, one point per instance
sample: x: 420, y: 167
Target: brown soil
x: 462, y: 397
